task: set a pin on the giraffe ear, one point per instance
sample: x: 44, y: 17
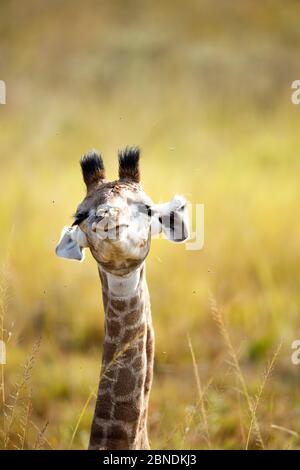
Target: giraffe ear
x: 172, y: 219
x: 71, y: 244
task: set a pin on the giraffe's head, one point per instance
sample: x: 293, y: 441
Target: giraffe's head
x: 116, y: 219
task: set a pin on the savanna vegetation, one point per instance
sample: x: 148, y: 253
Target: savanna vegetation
x: 204, y: 87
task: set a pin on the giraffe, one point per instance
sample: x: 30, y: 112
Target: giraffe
x: 115, y: 221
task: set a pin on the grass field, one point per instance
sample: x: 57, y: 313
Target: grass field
x: 205, y: 91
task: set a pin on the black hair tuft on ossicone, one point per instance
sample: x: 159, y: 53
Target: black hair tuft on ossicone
x: 129, y: 164
x: 92, y: 168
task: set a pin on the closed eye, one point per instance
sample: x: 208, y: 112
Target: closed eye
x: 145, y: 209
x: 149, y: 210
x: 80, y: 217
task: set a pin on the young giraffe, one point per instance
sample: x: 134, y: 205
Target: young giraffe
x: 116, y: 220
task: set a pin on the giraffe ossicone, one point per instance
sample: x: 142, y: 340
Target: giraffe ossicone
x: 116, y: 221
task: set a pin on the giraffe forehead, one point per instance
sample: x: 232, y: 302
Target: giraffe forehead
x: 123, y: 200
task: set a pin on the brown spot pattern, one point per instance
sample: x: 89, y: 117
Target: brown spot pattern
x: 118, y: 304
x: 125, y: 383
x: 126, y: 412
x: 132, y: 317
x: 113, y: 328
x: 120, y: 420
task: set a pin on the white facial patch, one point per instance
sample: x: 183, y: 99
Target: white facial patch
x: 138, y: 230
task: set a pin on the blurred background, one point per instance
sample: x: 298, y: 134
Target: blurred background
x: 204, y: 87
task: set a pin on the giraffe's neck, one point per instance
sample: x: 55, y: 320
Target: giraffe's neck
x: 127, y: 365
